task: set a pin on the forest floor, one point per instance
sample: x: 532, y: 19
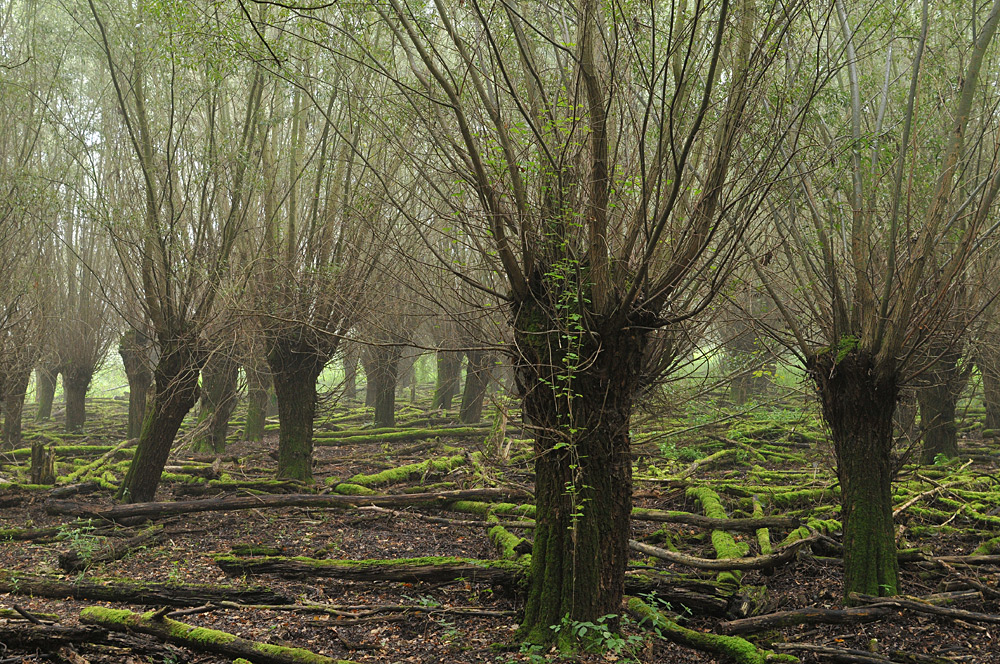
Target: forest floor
x: 773, y: 460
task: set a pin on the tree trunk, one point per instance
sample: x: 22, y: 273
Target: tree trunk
x: 351, y: 357
x: 134, y: 351
x: 258, y: 382
x: 177, y: 389
x: 45, y: 390
x: 938, y: 398
x: 477, y: 379
x: 76, y: 382
x: 15, y: 387
x: 218, y: 400
x: 294, y: 370
x: 368, y: 364
x: 43, y: 464
x: 449, y: 372
x: 577, y: 390
x: 384, y: 371
x: 988, y: 360
x: 858, y: 403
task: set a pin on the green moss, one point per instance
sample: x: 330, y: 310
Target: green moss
x: 409, y: 472
x: 988, y: 548
x: 353, y: 490
x: 407, y: 435
x: 212, y: 639
x: 739, y: 650
x: 725, y: 544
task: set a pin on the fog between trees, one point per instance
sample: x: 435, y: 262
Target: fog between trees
x: 575, y: 199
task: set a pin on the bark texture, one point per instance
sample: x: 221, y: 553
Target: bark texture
x: 76, y: 382
x: 295, y: 366
x: 15, y: 386
x: 858, y: 403
x: 383, y: 371
x: 577, y: 390
x: 938, y: 399
x: 218, y: 401
x: 176, y: 377
x: 477, y: 380
x: 46, y: 376
x: 449, y: 372
x: 134, y: 351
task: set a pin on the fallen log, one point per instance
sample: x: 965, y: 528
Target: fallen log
x: 700, y: 597
x: 700, y: 521
x: 735, y: 648
x: 917, y: 606
x: 396, y: 435
x: 133, y: 592
x: 851, y: 656
x: 432, y: 569
x: 73, y: 560
x: 200, y: 639
x: 155, y: 510
x: 49, y: 637
x: 360, y: 610
x: 770, y: 561
x: 812, y: 615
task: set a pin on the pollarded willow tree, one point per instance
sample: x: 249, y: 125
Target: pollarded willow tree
x: 603, y: 160
x: 322, y: 229
x: 83, y: 321
x: 195, y: 160
x: 890, y: 195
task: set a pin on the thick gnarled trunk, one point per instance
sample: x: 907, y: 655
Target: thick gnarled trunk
x: 176, y: 377
x: 858, y: 403
x: 988, y: 361
x: 351, y: 356
x: 295, y: 366
x: 46, y: 376
x: 76, y: 382
x: 383, y: 372
x: 134, y: 351
x: 942, y: 384
x: 449, y: 372
x: 477, y: 379
x: 258, y: 384
x: 218, y: 401
x: 577, y: 392
x: 15, y: 387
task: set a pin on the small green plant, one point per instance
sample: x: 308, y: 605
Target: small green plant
x: 599, y: 637
x: 81, y: 538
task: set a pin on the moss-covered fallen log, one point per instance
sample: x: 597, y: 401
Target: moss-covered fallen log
x: 397, y: 436
x: 769, y: 561
x: 153, y: 510
x: 725, y: 545
x: 700, y: 597
x: 200, y: 639
x: 738, y: 650
x: 739, y: 525
x: 409, y: 472
x: 430, y: 569
x: 127, y: 591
